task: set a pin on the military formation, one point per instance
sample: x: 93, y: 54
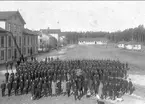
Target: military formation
x: 106, y: 78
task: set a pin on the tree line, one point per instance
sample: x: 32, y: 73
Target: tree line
x: 132, y: 34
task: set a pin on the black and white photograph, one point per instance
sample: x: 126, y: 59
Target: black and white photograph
x: 72, y: 52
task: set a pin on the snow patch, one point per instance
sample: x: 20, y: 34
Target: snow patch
x: 62, y: 51
x: 71, y: 46
x: 4, y: 71
x: 136, y: 96
x: 138, y: 79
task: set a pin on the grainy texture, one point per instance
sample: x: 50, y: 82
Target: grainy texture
x: 135, y: 60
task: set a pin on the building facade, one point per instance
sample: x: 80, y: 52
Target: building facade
x: 30, y: 43
x: 48, y: 38
x: 13, y: 24
x: 3, y: 45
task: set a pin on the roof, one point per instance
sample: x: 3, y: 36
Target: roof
x: 54, y: 30
x: 5, y: 15
x: 92, y: 39
x: 2, y: 30
x: 29, y: 32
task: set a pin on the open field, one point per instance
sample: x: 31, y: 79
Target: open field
x: 136, y: 62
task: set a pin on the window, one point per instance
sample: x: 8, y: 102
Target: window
x: 14, y: 28
x: 32, y: 40
x: 28, y: 50
x: 9, y: 54
x: 20, y: 40
x: 15, y: 38
x: 24, y: 51
x: 9, y: 27
x: 2, y: 55
x: 28, y: 40
x: 2, y: 41
x: 24, y: 40
x: 10, y: 41
x: 15, y: 17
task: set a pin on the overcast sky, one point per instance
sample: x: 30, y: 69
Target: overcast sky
x: 79, y: 15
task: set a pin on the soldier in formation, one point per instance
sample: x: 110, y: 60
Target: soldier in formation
x: 107, y: 78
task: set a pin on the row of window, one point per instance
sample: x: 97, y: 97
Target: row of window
x: 30, y: 40
x: 29, y: 51
x: 2, y: 41
x: 3, y: 54
x: 14, y: 28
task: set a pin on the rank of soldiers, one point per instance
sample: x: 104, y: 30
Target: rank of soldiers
x: 59, y: 77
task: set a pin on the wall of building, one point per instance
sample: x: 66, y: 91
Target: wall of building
x: 3, y: 48
x: 31, y: 43
x: 16, y: 26
x: 2, y: 24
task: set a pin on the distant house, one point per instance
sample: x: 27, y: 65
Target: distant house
x: 121, y: 44
x: 132, y: 45
x: 48, y: 38
x: 91, y: 41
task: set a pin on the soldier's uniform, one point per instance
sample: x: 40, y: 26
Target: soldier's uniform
x: 45, y: 89
x: 21, y: 86
x: 26, y: 86
x: 15, y: 87
x: 130, y: 87
x: 3, y: 88
x: 7, y: 76
x: 9, y: 87
x: 68, y: 87
x: 39, y: 89
x: 33, y: 89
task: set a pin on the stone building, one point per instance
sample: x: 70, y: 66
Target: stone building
x: 12, y: 35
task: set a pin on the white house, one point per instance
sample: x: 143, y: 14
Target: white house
x: 137, y: 47
x: 132, y: 45
x: 92, y: 41
x: 121, y: 44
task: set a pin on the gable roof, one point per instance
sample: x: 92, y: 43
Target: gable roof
x: 5, y: 15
